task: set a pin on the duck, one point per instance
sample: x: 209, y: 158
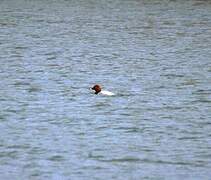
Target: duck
x: 98, y: 90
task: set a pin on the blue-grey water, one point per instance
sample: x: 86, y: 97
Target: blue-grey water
x: 155, y: 55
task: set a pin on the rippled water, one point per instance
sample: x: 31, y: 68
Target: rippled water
x: 156, y: 57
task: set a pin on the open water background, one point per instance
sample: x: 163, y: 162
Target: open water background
x: 154, y: 54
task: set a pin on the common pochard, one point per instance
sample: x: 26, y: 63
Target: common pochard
x: 98, y: 90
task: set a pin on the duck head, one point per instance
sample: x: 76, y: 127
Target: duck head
x: 96, y: 88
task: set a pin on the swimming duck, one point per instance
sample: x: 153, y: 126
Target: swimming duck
x: 97, y: 88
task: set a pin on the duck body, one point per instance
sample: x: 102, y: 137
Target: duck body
x: 98, y: 90
x: 108, y: 93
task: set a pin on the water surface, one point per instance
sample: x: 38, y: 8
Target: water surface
x: 155, y: 55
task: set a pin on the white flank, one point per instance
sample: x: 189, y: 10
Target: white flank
x: 108, y: 93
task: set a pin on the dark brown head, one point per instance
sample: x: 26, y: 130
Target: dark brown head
x: 97, y: 88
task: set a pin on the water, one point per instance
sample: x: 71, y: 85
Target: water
x: 156, y: 57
